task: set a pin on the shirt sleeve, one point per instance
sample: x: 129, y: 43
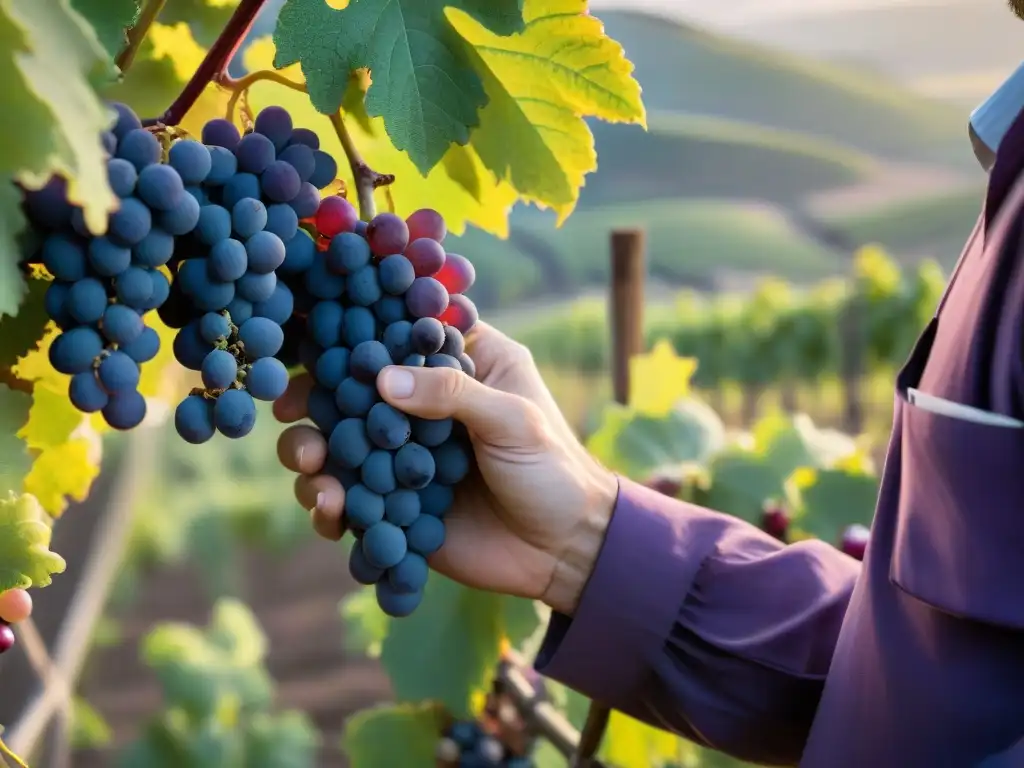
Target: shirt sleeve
x: 701, y: 624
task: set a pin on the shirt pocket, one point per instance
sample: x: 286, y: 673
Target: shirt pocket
x: 959, y: 541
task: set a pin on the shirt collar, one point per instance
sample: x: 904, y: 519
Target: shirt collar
x: 992, y: 119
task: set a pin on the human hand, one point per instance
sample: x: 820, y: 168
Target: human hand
x: 530, y: 521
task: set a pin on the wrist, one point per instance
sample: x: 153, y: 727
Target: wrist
x: 577, y: 558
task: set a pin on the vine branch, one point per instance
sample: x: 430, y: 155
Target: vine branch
x: 138, y: 33
x: 366, y: 179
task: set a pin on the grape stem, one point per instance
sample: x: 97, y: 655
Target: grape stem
x: 215, y: 65
x: 239, y: 85
x: 366, y: 179
x: 137, y: 33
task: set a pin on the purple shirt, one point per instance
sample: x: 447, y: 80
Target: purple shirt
x: 701, y: 624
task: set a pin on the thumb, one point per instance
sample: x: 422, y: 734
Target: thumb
x: 438, y: 393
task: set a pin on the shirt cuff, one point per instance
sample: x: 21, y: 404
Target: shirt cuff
x: 631, y: 601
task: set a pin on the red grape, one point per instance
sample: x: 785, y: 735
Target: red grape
x: 336, y: 214
x: 427, y: 256
x: 426, y: 222
x: 461, y: 313
x: 6, y: 638
x: 457, y: 274
x: 774, y: 520
x: 426, y: 298
x: 855, y: 541
x: 387, y: 234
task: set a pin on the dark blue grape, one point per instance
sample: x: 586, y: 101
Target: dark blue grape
x: 154, y: 250
x: 278, y: 307
x: 426, y: 297
x: 384, y: 544
x: 134, y: 287
x: 193, y: 419
x: 255, y: 152
x: 219, y: 369
x: 276, y: 124
x: 360, y: 326
x: 280, y: 182
x: 305, y: 137
x: 431, y: 432
x: 359, y: 567
x: 325, y: 170
x: 108, y: 259
x: 332, y: 368
x: 451, y: 461
x: 354, y: 398
x: 396, y: 274
x: 214, y: 225
x: 234, y: 413
x: 398, y: 339
x: 257, y: 287
x: 86, y: 394
x: 109, y: 142
x: 364, y: 507
x: 410, y: 575
x: 368, y: 359
x: 126, y: 121
x: 414, y: 466
x: 145, y: 347
x: 228, y: 260
x: 87, y: 300
x: 390, y: 309
x: 266, y: 252
x: 118, y: 373
x: 323, y: 412
x: 363, y: 286
x: 213, y: 326
x: 125, y: 410
x: 140, y: 148
x: 122, y: 177
x: 402, y: 507
x: 436, y: 499
x: 207, y: 294
x: 260, y: 337
x: 300, y: 157
x: 78, y: 223
x: 426, y: 535
x: 221, y: 133
x: 427, y: 336
x: 387, y: 427
x: 161, y: 290
x: 131, y: 222
x: 454, y: 342
x: 75, y: 350
x: 121, y: 325
x: 248, y: 216
x: 378, y: 472
x: 322, y: 283
x: 239, y: 187
x: 191, y: 160
x: 182, y: 218
x: 466, y: 734
x: 443, y: 361
x: 64, y: 257
x: 224, y: 166
x: 348, y: 445
x: 189, y: 347
x: 394, y: 603
x: 325, y: 323
x: 362, y: 227
x: 306, y: 202
x: 55, y: 304
x: 199, y: 194
x: 347, y: 253
x: 299, y: 253
x: 282, y: 221
x: 267, y: 379
x: 240, y: 310
x: 49, y: 206
x: 160, y: 187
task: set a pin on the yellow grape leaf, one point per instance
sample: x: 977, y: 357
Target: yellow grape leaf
x: 460, y: 187
x: 51, y: 419
x: 541, y: 84
x: 659, y: 380
x: 66, y: 470
x: 25, y: 556
x: 632, y: 744
x: 53, y: 54
x: 602, y: 443
x: 15, y: 460
x: 35, y: 365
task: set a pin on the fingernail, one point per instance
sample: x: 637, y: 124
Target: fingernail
x: 397, y: 383
x: 321, y: 501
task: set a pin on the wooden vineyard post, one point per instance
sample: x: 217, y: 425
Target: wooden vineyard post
x: 627, y: 331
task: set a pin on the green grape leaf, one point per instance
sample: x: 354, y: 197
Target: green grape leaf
x: 423, y: 85
x: 111, y: 19
x: 391, y: 736
x: 447, y: 650
x: 20, y: 333
x: 288, y: 740
x: 12, y: 282
x: 629, y: 743
x: 366, y: 625
x: 741, y: 481
x: 832, y: 499
x: 15, y: 460
x: 88, y: 728
x: 25, y: 556
x: 205, y: 17
x: 522, y: 618
x: 53, y: 57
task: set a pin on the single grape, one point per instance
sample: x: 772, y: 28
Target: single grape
x: 347, y: 253
x: 426, y: 535
x: 300, y: 157
x: 221, y: 133
x: 368, y: 359
x: 276, y: 124
x: 325, y: 322
x: 426, y: 223
x: 390, y: 309
x: 324, y: 413
x: 224, y: 166
x: 154, y: 250
x: 145, y: 347
x: 384, y: 544
x: 426, y: 297
x: 160, y: 187
x: 228, y: 260
x: 125, y: 410
x: 394, y: 603
x: 396, y: 274
x: 280, y: 182
x: 354, y: 398
x: 414, y: 466
x: 282, y: 221
x: 415, y: 361
x: 299, y: 253
x: 452, y: 462
x: 436, y: 499
x: 131, y: 222
x: 461, y: 313
x: 182, y: 218
x: 87, y: 300
x: 306, y: 203
x: 234, y: 413
x: 122, y: 177
x: 55, y: 304
x: 363, y: 287
x: 348, y: 445
x: 219, y: 369
x: 65, y: 257
x: 410, y: 575
x: 468, y: 366
x: 118, y: 373
x: 255, y: 152
x: 161, y: 289
x: 332, y: 367
x: 267, y: 379
x: 378, y: 472
x: 426, y: 336
x: 321, y: 282
x: 207, y: 293
x: 443, y: 361
x: 279, y: 307
x: 256, y: 287
x: 108, y: 259
x: 306, y: 137
x: 454, y: 342
x: 335, y: 215
x: 360, y: 326
x: 214, y: 225
x: 189, y: 347
x: 240, y: 310
x: 213, y: 326
x: 426, y: 256
x: 260, y: 337
x: 266, y: 252
x: 364, y: 507
x: 86, y: 394
x: 140, y: 148
x: 126, y: 120
x: 360, y: 568
x: 135, y: 287
x: 121, y: 325
x: 397, y: 338
x: 387, y: 234
x: 193, y: 419
x: 402, y: 506
x: 248, y: 216
x: 191, y: 160
x: 239, y: 187
x: 387, y: 427
x: 431, y: 432
x: 326, y: 169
